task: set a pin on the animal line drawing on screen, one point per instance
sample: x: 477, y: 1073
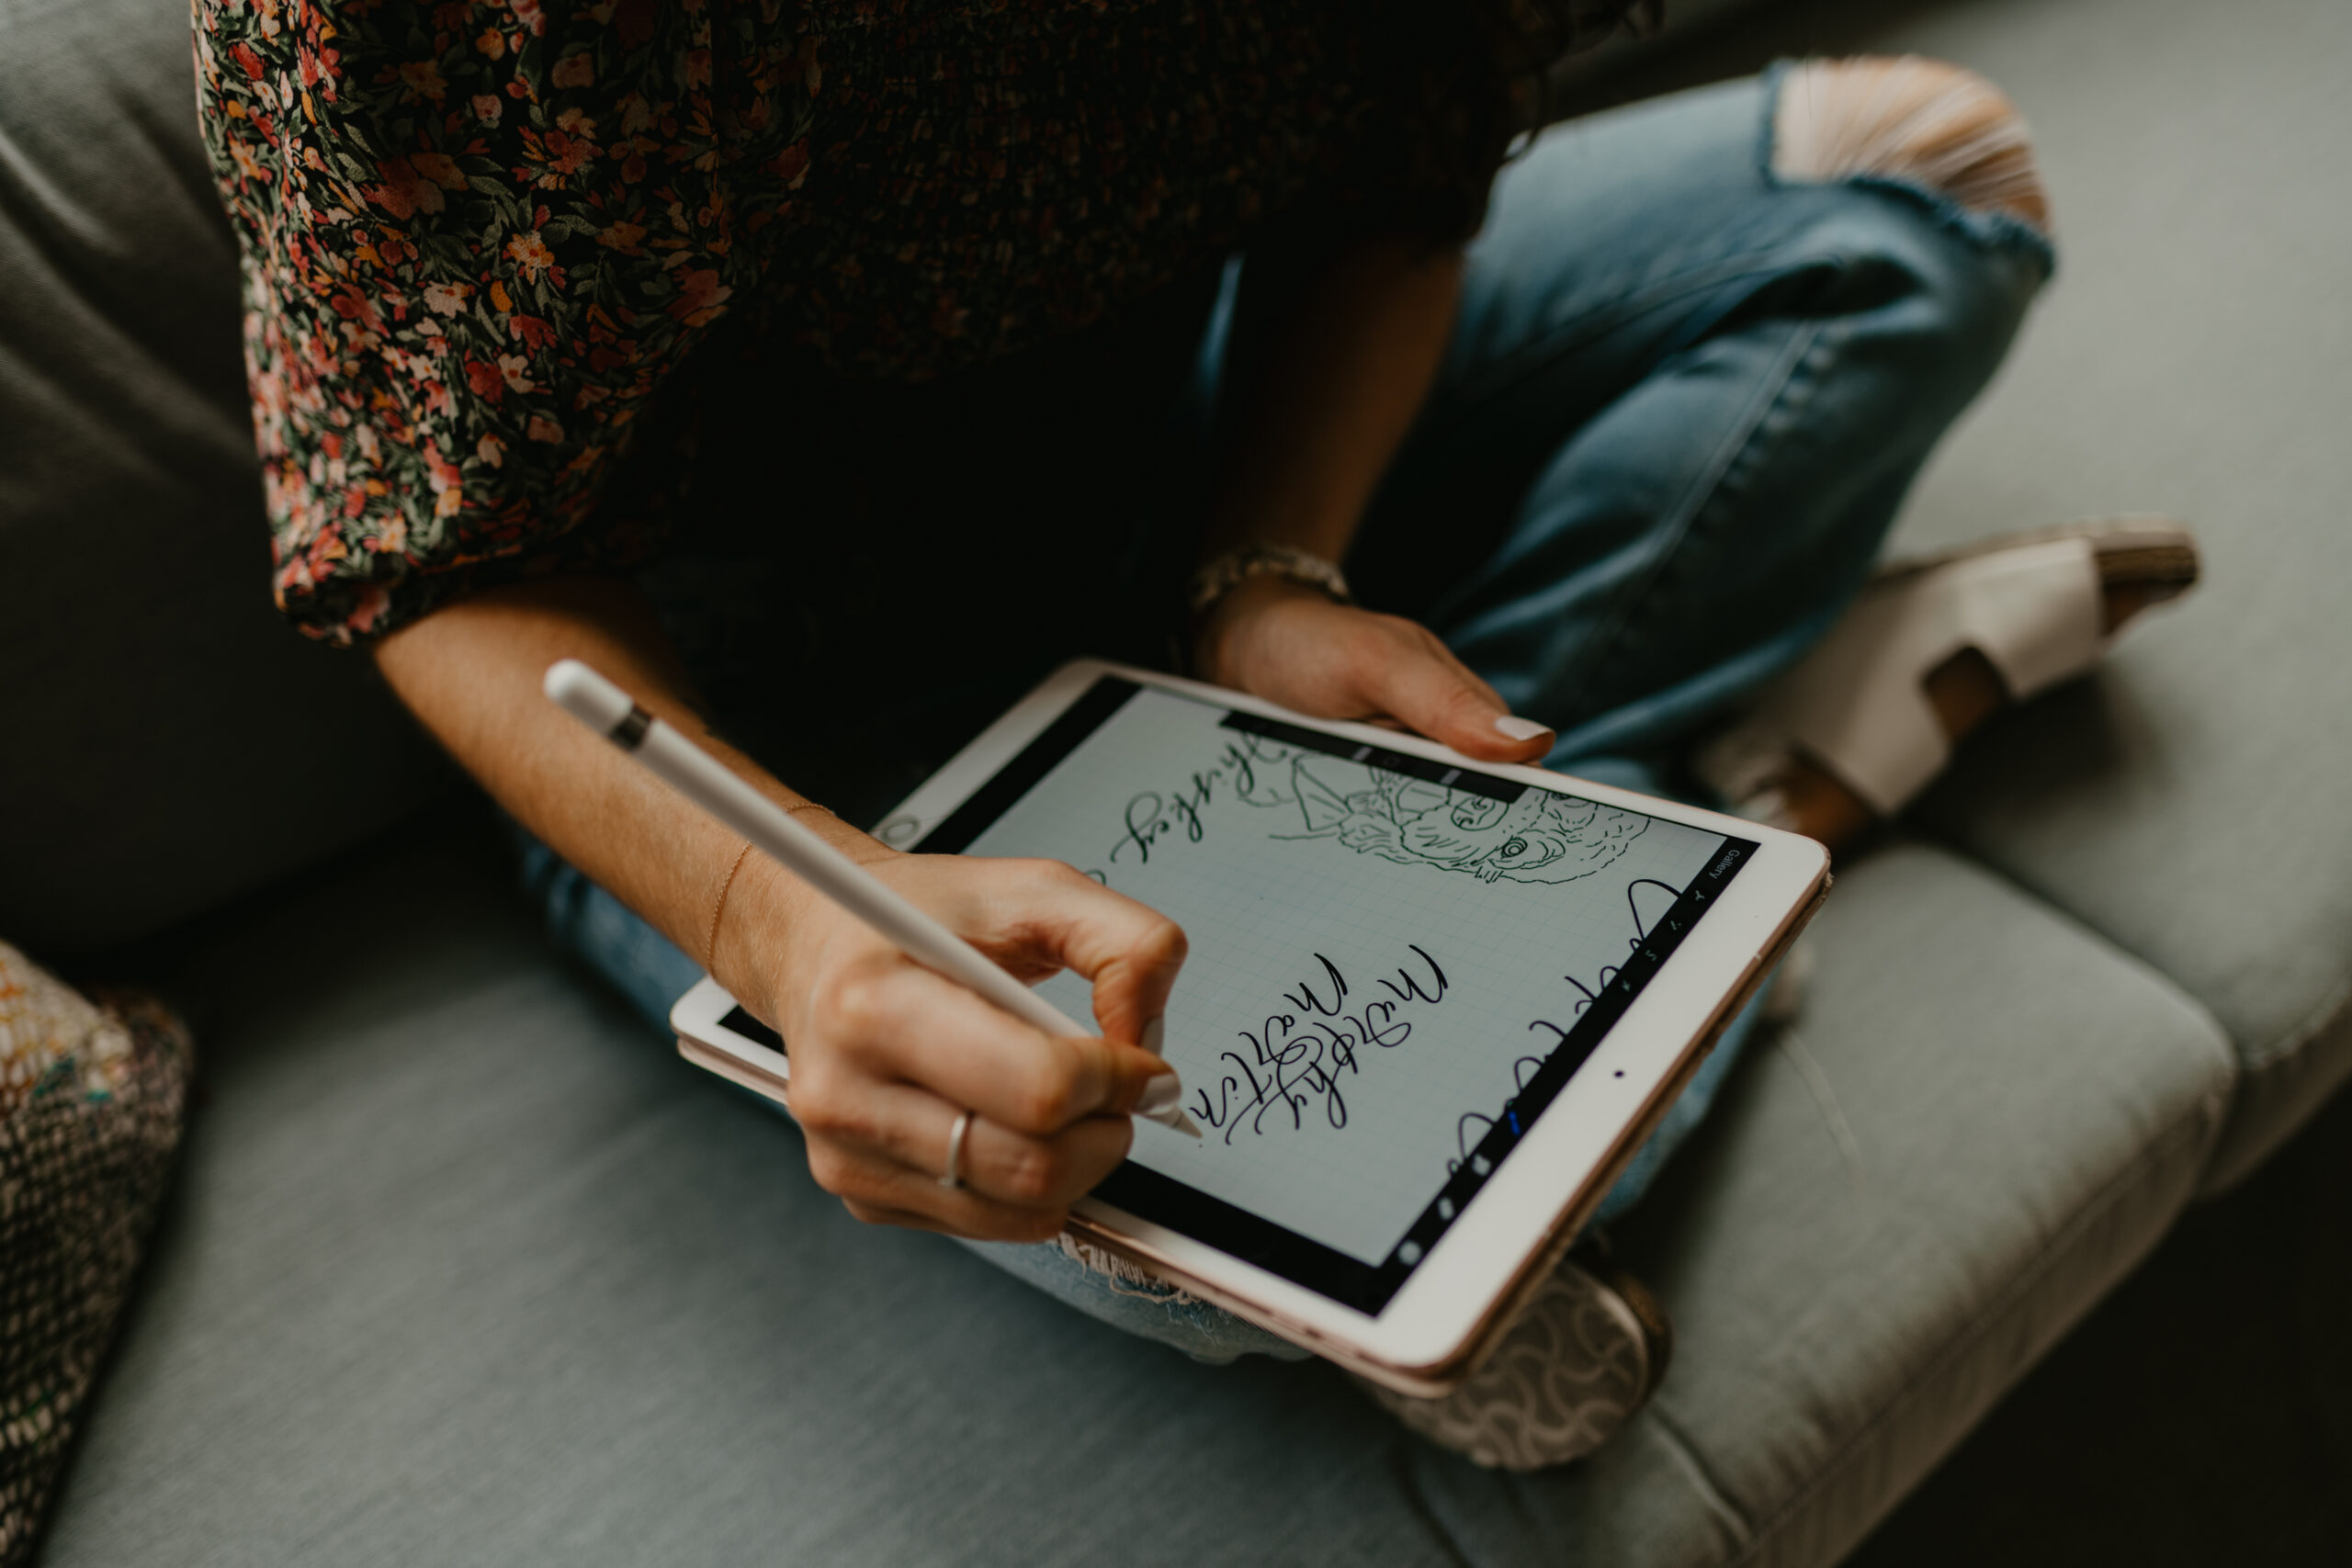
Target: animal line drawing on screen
x: 1539, y: 837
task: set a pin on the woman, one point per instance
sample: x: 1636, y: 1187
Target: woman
x: 826, y: 372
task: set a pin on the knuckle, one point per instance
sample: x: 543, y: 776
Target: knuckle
x: 830, y: 1117
x: 1045, y: 1102
x: 1038, y: 1109
x: 823, y: 1106
x: 1046, y: 875
x: 858, y: 1003
x: 814, y: 1104
x: 1033, y: 1174
x: 835, y: 1169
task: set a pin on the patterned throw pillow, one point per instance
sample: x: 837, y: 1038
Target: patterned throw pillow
x: 92, y: 1099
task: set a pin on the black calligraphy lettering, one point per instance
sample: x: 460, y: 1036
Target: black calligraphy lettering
x: 1410, y: 990
x: 1143, y: 825
x: 1305, y: 996
x: 1296, y: 1062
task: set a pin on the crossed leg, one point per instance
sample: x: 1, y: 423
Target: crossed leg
x: 1950, y: 131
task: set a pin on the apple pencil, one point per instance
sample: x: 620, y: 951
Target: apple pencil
x: 696, y: 774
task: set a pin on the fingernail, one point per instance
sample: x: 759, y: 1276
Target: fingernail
x: 1521, y: 728
x: 1153, y: 1033
x: 1161, y: 1093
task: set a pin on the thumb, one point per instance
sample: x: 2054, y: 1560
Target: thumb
x: 1424, y: 687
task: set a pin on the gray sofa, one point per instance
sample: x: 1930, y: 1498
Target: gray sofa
x: 464, y: 1266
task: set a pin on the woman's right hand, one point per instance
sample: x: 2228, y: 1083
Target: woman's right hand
x: 886, y: 1053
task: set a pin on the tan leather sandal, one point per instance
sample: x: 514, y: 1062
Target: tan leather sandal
x: 2034, y: 607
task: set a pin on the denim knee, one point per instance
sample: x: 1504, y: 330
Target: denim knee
x: 1939, y: 127
x: 1968, y: 272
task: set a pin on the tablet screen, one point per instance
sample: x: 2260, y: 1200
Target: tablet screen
x: 1396, y: 966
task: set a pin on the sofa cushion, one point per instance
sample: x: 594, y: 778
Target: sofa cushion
x: 2189, y: 803
x: 172, y: 740
x: 467, y: 1266
x: 1983, y: 1118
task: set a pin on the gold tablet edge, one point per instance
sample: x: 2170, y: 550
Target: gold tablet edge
x: 1437, y: 1379
x: 741, y: 1073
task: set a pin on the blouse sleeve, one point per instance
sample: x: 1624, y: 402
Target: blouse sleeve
x: 476, y: 242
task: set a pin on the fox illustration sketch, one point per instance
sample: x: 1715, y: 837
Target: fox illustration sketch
x: 1539, y: 837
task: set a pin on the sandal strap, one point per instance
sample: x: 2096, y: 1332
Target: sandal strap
x: 1858, y: 704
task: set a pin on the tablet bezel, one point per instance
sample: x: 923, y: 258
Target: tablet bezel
x: 1507, y: 1236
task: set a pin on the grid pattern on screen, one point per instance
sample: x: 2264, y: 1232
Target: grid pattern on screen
x: 1158, y: 803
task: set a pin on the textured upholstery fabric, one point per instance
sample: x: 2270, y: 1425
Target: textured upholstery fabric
x: 174, y: 741
x: 2191, y: 358
x: 92, y: 1098
x: 466, y: 1267
x: 1983, y: 1120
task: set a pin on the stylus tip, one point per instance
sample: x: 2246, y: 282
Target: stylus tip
x: 1186, y: 1125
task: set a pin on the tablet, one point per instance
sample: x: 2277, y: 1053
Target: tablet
x: 1432, y: 1007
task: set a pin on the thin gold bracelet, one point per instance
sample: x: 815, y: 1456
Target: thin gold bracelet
x: 710, y: 946
x: 710, y: 943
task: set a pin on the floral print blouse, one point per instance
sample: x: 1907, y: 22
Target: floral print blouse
x: 480, y: 239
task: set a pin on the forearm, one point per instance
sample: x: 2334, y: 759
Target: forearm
x: 1329, y: 378
x: 886, y: 1056
x: 471, y: 671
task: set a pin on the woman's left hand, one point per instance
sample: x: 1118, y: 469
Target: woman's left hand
x: 1292, y: 645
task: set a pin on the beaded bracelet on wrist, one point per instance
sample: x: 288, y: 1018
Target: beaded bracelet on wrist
x: 1230, y: 570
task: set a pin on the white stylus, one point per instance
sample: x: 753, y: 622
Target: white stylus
x: 696, y: 774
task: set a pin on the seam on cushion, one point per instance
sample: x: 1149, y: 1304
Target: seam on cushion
x: 2208, y: 1112
x: 1791, y: 1047
x: 2244, y: 1059
x: 2050, y: 904
x: 2314, y: 1024
x: 1405, y: 1472
x: 1685, y: 1455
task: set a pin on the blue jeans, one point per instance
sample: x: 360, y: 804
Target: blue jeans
x: 1681, y: 404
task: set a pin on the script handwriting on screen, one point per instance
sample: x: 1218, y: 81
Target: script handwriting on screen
x: 1299, y: 1059
x: 1152, y: 815
x: 1384, y: 950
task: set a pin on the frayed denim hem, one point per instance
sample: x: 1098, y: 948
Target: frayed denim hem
x: 1993, y: 231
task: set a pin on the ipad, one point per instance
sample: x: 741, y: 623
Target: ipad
x: 1432, y: 1007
